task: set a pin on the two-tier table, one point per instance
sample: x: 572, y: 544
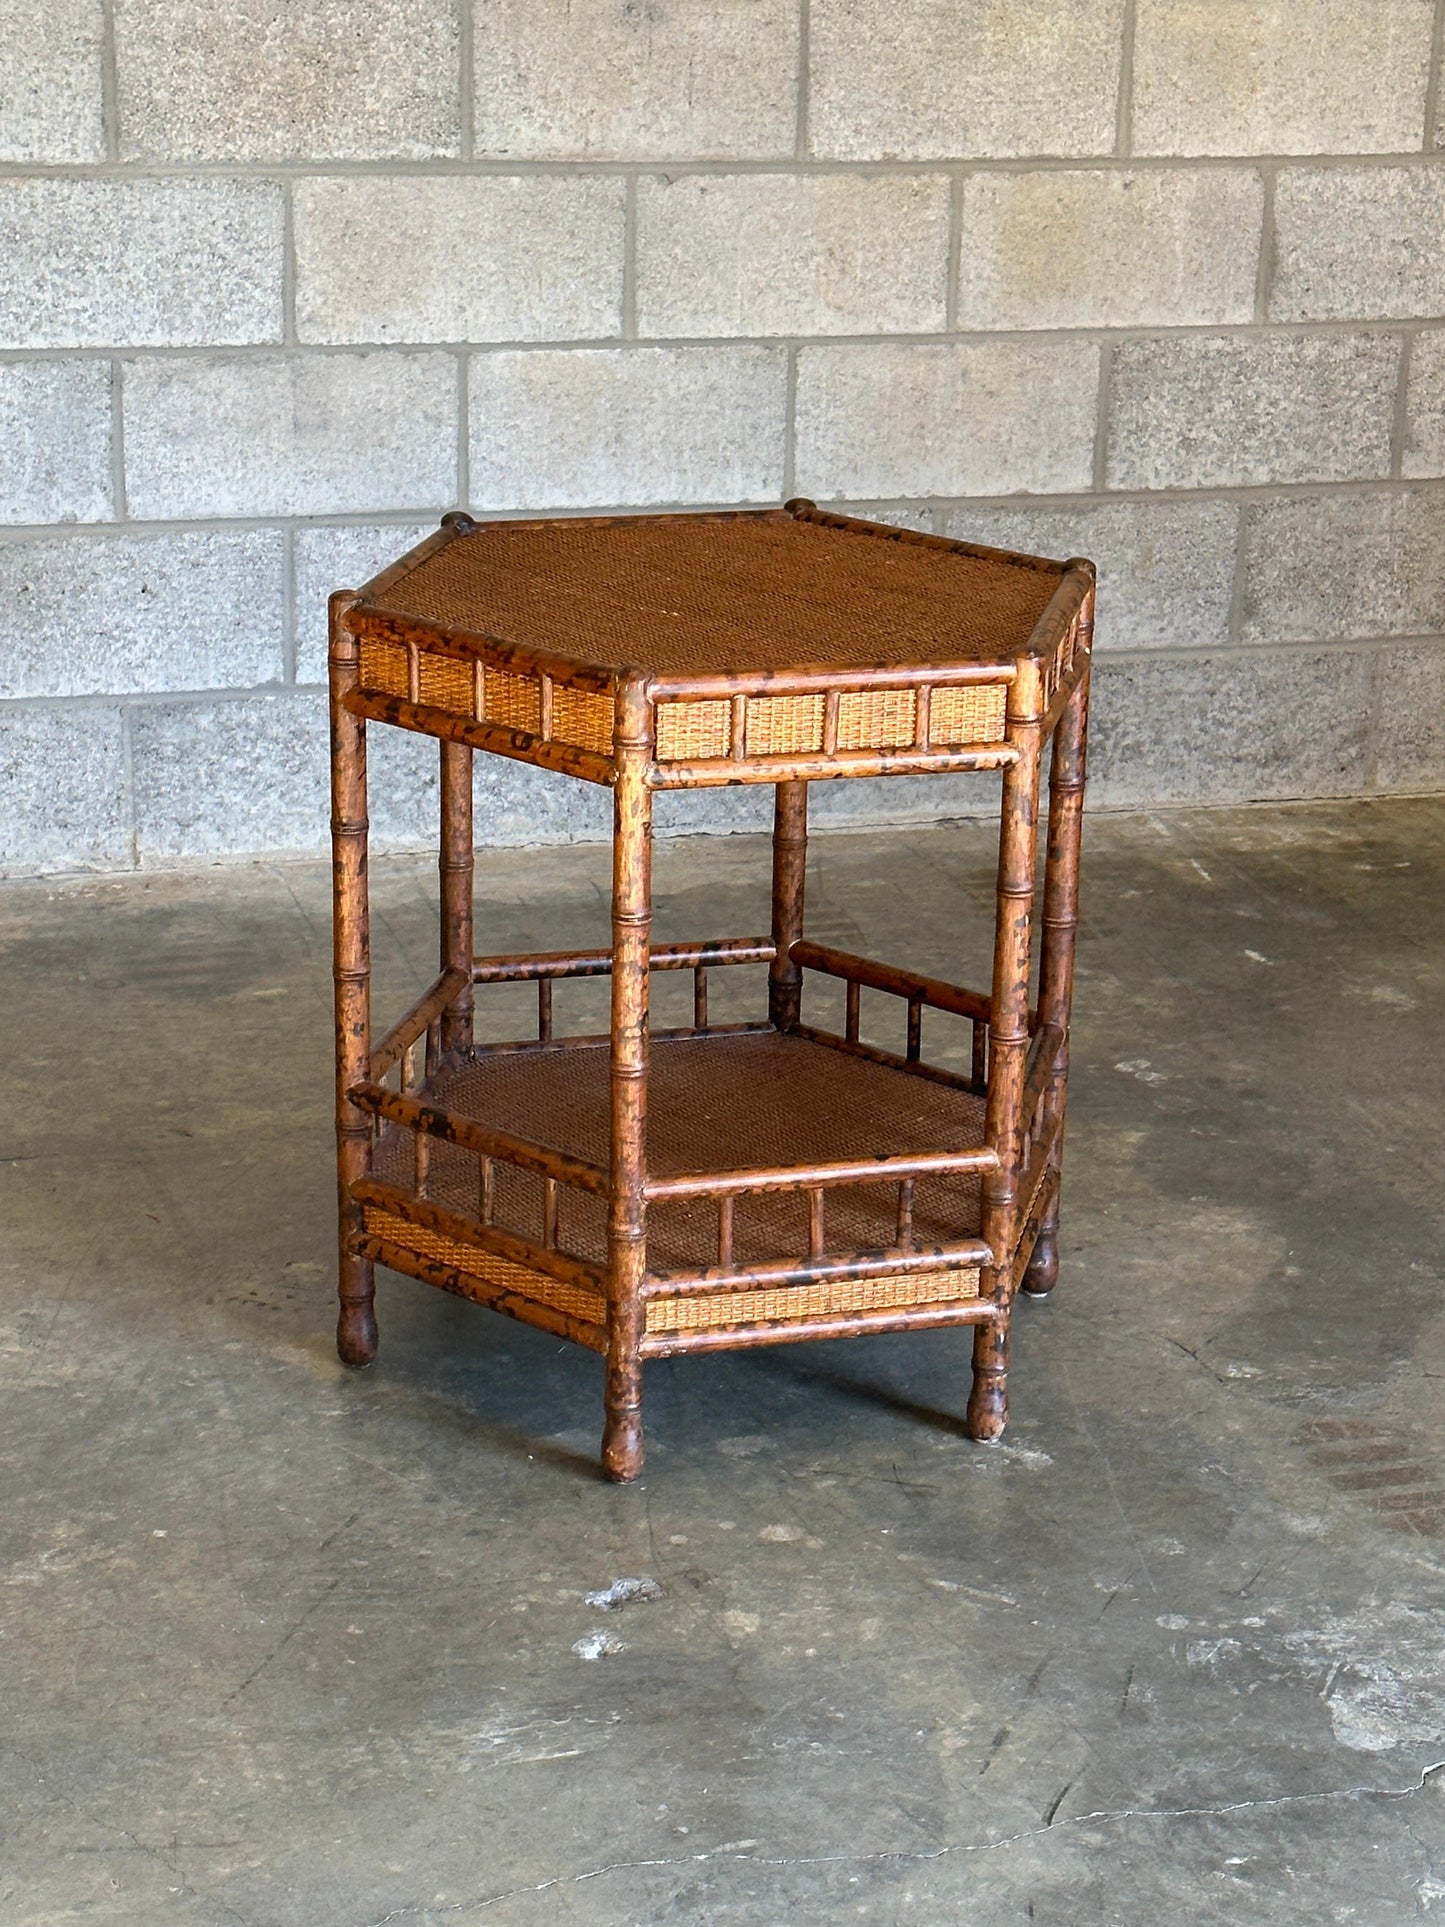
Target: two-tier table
x: 651, y: 1191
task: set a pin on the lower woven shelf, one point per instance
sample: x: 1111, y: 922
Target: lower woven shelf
x: 708, y: 1311
x: 717, y: 1102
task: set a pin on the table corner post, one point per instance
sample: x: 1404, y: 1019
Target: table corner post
x: 356, y: 1335
x: 790, y: 859
x: 622, y: 1446
x: 1008, y: 1044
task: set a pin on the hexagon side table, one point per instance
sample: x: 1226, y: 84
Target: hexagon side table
x: 648, y: 1192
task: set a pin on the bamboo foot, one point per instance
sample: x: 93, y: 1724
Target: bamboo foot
x: 987, y: 1412
x: 1042, y: 1272
x: 622, y: 1444
x: 356, y: 1335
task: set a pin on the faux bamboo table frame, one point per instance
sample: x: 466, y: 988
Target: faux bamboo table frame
x: 528, y: 1176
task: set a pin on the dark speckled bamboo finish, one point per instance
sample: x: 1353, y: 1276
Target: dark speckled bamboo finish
x: 761, y: 1205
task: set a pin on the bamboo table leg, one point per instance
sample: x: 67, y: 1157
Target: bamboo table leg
x: 456, y: 892
x: 790, y: 855
x: 1056, y: 964
x: 1008, y: 1049
x: 356, y: 1325
x: 631, y: 945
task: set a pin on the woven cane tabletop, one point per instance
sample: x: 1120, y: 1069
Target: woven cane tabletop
x: 721, y: 594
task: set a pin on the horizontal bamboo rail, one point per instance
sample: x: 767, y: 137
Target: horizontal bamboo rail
x: 601, y: 1039
x: 466, y: 1284
x: 1043, y: 1055
x: 954, y: 1080
x: 422, y: 1015
x: 820, y: 767
x: 598, y: 963
x: 518, y: 744
x: 810, y: 1177
x: 816, y: 679
x: 479, y: 1138
x: 465, y: 1229
x: 852, y: 1324
x: 908, y: 984
x: 964, y: 1254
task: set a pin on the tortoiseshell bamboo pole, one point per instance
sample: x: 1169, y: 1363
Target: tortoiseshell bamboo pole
x: 1060, y: 926
x: 456, y: 892
x: 790, y: 858
x: 631, y: 942
x: 356, y: 1324
x: 1008, y: 1046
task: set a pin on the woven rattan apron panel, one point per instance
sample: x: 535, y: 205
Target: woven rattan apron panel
x: 647, y: 1191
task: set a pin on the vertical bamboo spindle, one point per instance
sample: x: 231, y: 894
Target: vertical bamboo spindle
x: 1060, y: 927
x: 790, y: 856
x: 631, y: 946
x: 351, y: 955
x: 1008, y: 1045
x: 456, y: 894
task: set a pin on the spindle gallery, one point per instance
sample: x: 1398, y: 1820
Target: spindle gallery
x: 649, y: 1191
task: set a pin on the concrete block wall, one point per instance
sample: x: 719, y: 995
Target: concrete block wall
x: 1158, y: 280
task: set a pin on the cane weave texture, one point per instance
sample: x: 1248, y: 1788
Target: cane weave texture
x: 719, y: 1103
x: 590, y: 1307
x: 686, y: 731
x: 722, y: 594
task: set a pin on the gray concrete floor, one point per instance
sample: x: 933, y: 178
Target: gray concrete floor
x: 287, y: 1646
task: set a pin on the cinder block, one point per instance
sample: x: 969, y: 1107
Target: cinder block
x: 50, y: 81
x: 84, y: 615
x: 479, y: 259
x: 55, y: 441
x: 774, y: 254
x: 1166, y: 569
x: 63, y: 799
x: 344, y: 558
x: 215, y: 777
x: 635, y: 79
x: 1309, y: 77
x: 907, y: 515
x: 590, y: 427
x: 1410, y: 748
x: 1240, y: 726
x: 516, y: 805
x: 1357, y: 243
x: 99, y: 264
x: 929, y: 79
x: 316, y: 80
x: 1208, y: 411
x: 301, y: 434
x: 1424, y: 451
x: 985, y: 418
x: 1323, y: 566
x: 1109, y: 249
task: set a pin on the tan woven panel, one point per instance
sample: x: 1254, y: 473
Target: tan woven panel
x: 714, y: 594
x: 384, y: 668
x: 513, y: 701
x: 444, y: 682
x: 784, y: 725
x: 876, y: 718
x: 971, y: 714
x: 688, y: 731
x: 579, y: 716
x: 588, y: 1306
x: 798, y: 1302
